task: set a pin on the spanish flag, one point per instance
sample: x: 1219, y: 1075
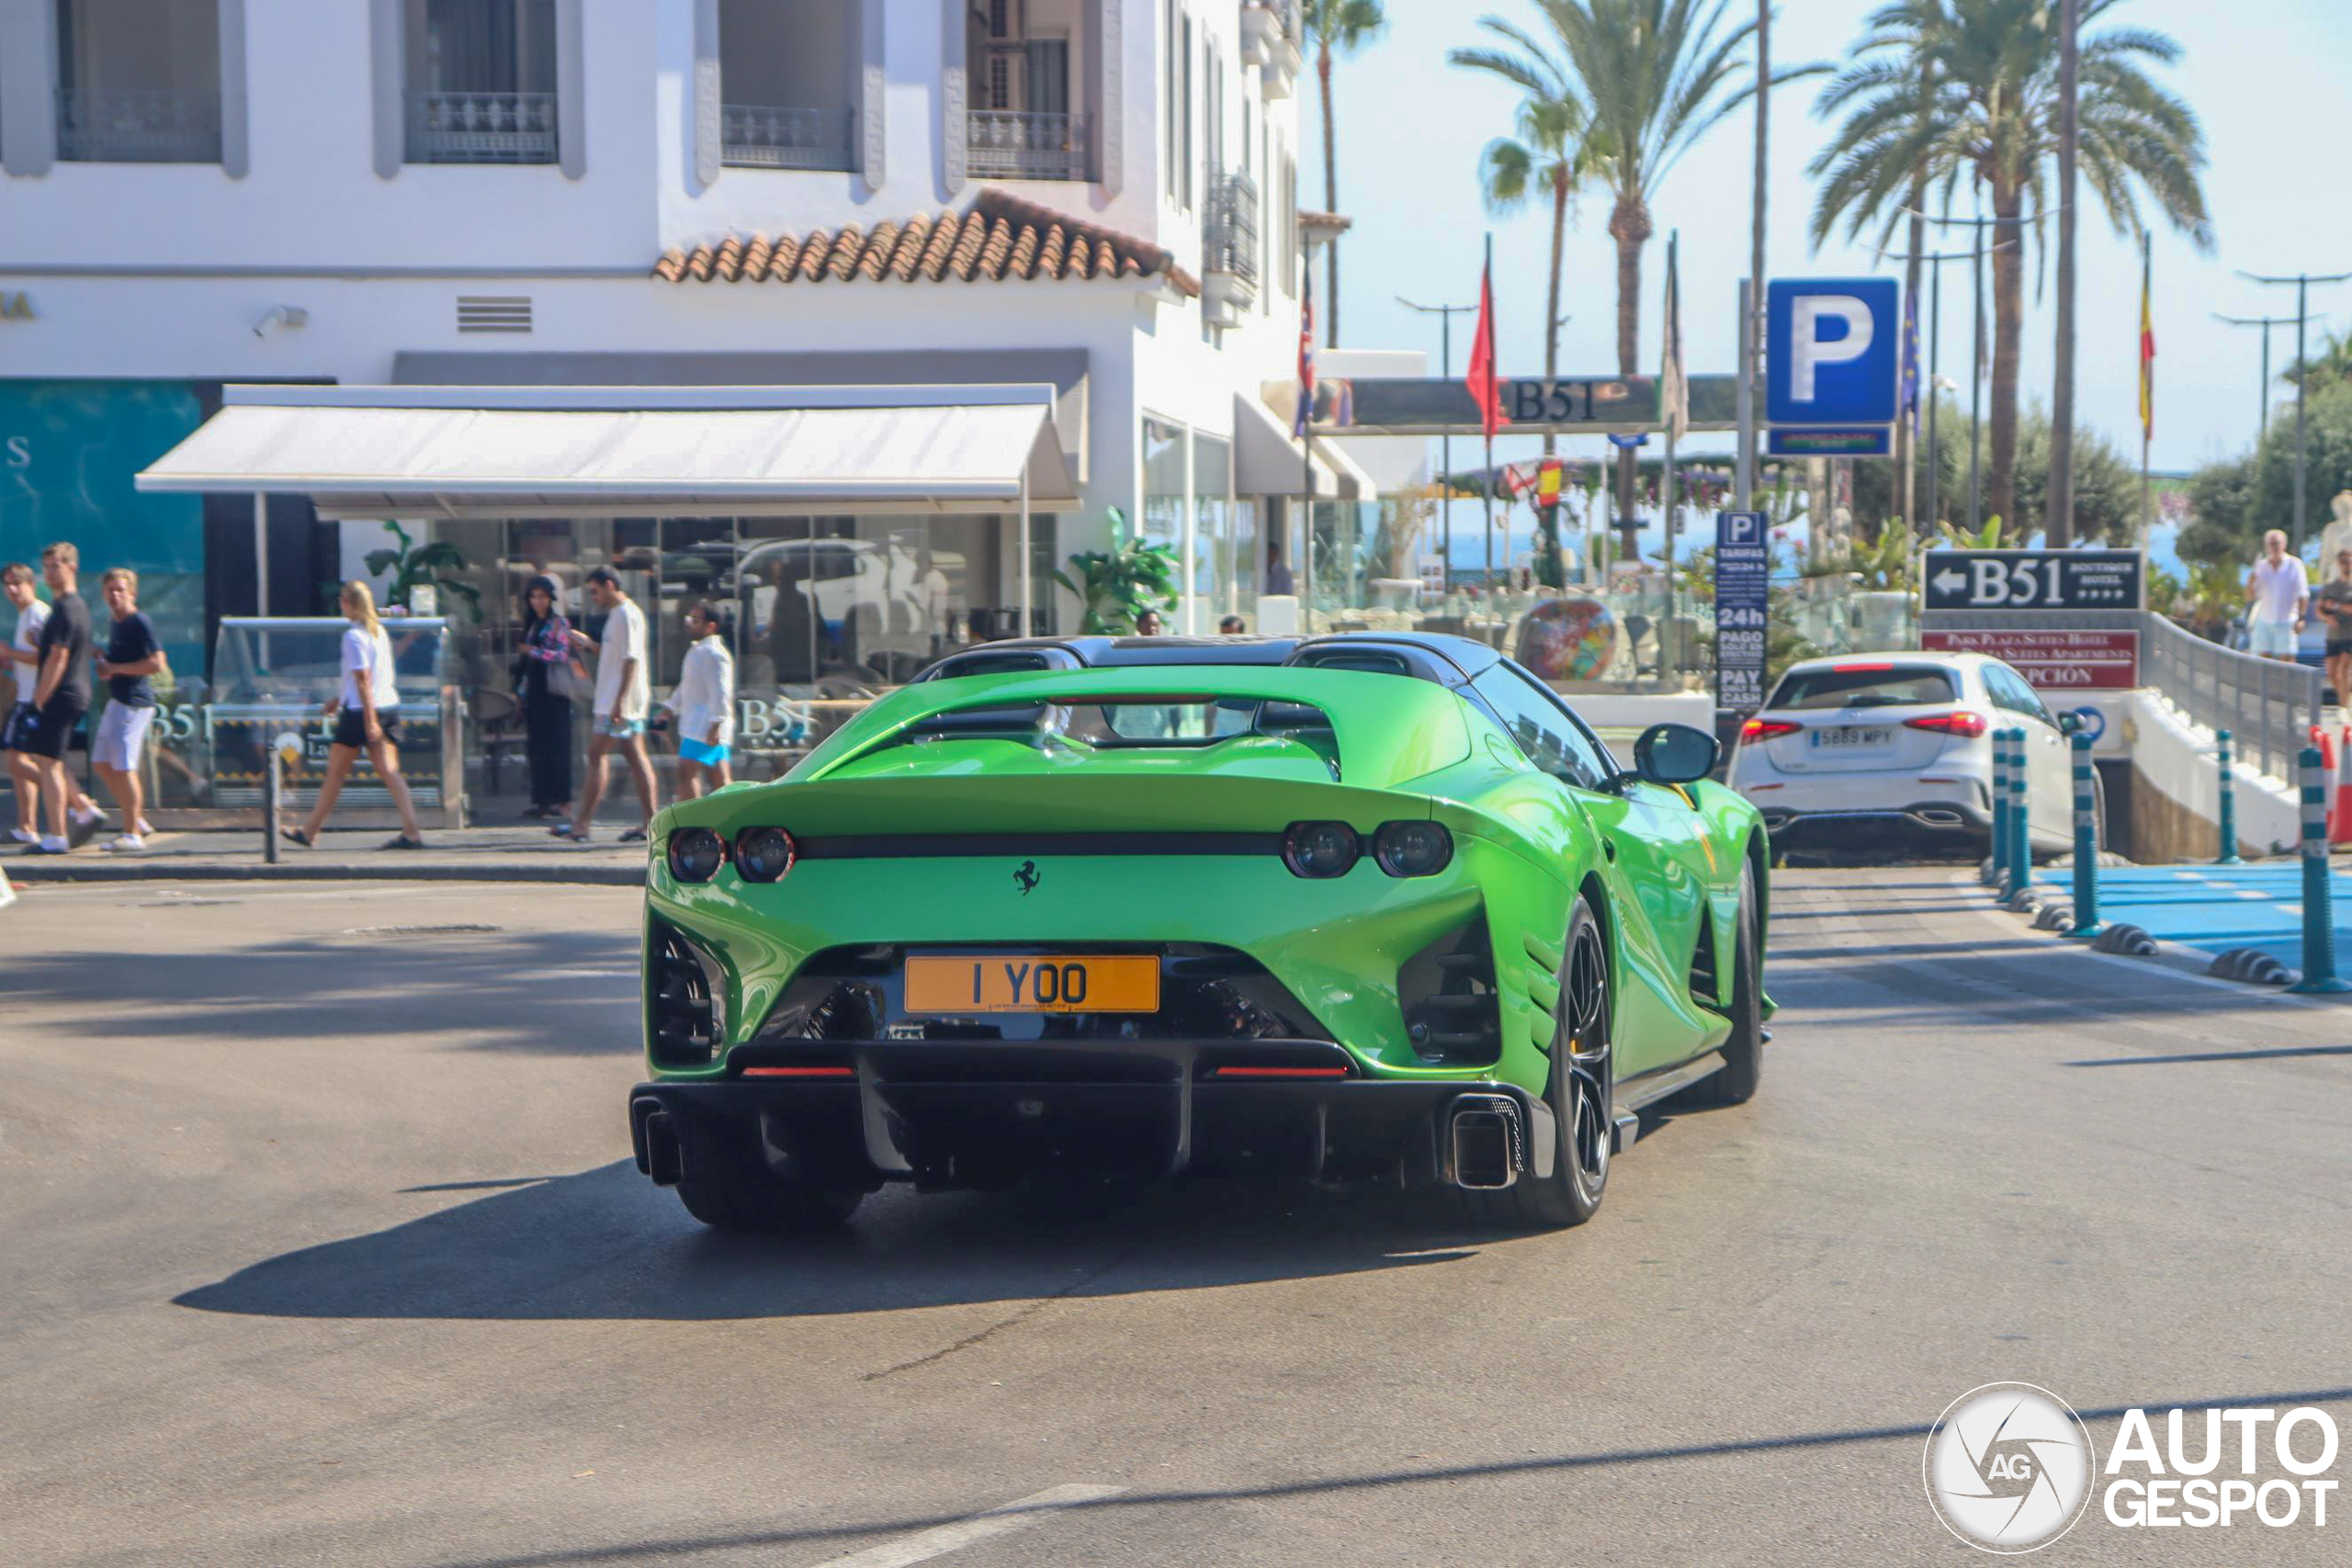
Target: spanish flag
x: 2147, y: 345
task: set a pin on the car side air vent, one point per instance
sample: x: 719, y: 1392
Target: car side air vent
x: 1447, y: 992
x: 1703, y: 967
x: 682, y: 1003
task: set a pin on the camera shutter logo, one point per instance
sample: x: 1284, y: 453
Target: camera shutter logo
x: 2009, y: 1467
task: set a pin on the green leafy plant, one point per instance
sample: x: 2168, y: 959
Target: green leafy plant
x: 1988, y: 537
x: 412, y: 564
x: 1119, y: 584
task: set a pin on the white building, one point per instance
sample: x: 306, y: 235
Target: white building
x: 1094, y: 196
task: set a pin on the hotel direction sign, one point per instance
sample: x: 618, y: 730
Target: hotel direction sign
x: 1534, y: 405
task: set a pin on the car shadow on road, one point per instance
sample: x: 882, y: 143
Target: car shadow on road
x: 603, y: 1244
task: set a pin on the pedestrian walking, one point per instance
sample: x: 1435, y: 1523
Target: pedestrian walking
x: 704, y: 701
x: 42, y: 730
x: 134, y: 657
x: 2279, y: 590
x: 367, y: 712
x: 19, y: 673
x: 623, y: 695
x: 548, y: 679
x: 2333, y: 605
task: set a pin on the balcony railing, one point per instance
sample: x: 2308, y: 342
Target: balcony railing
x: 111, y: 125
x: 481, y: 128
x: 1229, y: 234
x: 1015, y: 145
x: 753, y: 136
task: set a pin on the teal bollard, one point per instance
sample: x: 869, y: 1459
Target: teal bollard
x: 2020, y: 818
x: 1997, y: 862
x: 2086, y: 843
x: 2229, y: 804
x: 2319, y: 902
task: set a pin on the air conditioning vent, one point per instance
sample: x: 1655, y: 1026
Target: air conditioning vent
x: 493, y: 312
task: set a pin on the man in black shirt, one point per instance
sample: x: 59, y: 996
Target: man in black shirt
x: 133, y: 658
x: 61, y: 691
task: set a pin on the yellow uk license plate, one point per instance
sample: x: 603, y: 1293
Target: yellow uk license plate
x: 1033, y: 983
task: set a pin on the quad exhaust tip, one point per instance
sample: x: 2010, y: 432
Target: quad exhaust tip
x: 1486, y: 1143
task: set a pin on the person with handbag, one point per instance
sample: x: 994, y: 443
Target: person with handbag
x: 547, y: 681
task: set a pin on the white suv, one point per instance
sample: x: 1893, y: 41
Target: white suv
x: 1853, y: 752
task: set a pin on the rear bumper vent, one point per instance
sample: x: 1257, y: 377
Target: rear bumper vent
x: 1447, y: 993
x: 684, y: 1015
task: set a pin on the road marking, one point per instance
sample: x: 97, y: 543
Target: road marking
x: 931, y: 1544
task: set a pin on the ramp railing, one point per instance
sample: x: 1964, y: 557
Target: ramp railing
x: 2267, y: 704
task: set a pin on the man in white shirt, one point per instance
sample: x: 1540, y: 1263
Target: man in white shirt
x: 624, y: 694
x: 704, y: 701
x: 2279, y: 591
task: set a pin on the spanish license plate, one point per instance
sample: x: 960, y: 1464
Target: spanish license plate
x: 1875, y: 735
x: 1033, y: 983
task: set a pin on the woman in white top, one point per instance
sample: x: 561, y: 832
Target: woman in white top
x: 704, y: 704
x: 366, y: 715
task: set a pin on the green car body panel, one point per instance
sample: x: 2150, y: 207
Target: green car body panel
x: 1660, y: 864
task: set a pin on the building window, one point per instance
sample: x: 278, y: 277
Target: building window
x: 139, y: 81
x: 480, y: 82
x: 1184, y: 113
x: 1033, y: 120
x: 787, y: 71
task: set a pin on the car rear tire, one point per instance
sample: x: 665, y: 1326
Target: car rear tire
x: 742, y: 1199
x: 1581, y: 1095
x: 1743, y: 1051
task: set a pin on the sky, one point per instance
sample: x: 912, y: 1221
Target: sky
x: 2266, y: 78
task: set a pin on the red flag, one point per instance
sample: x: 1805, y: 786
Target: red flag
x: 1305, y: 414
x: 1484, y: 388
x: 2148, y: 345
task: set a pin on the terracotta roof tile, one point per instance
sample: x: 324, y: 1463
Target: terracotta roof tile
x: 1000, y: 236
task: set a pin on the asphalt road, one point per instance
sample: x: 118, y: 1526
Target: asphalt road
x: 319, y: 1243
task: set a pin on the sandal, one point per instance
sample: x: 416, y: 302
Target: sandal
x: 404, y: 842
x: 634, y: 836
x: 295, y: 836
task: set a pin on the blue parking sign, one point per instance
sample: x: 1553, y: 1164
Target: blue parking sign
x: 1831, y: 350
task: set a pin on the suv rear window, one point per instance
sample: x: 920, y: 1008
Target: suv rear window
x: 1863, y: 686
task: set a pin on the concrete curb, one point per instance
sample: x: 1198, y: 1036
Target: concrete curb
x: 75, y: 869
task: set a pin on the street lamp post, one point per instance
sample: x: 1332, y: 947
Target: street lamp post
x: 1444, y: 315
x: 2262, y: 414
x: 2302, y: 282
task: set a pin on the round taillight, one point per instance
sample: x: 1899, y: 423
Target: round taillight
x: 764, y: 854
x: 1412, y: 848
x: 695, y: 854
x: 1321, y: 849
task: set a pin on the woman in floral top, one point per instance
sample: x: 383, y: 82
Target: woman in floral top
x: 544, y: 683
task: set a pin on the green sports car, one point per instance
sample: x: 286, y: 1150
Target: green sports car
x: 1338, y: 907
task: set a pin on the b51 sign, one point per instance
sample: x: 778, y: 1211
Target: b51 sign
x: 2033, y: 580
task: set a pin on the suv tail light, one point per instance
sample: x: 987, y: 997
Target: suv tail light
x: 1767, y: 728
x: 1964, y: 723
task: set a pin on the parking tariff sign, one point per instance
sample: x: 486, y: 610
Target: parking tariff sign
x: 1743, y: 565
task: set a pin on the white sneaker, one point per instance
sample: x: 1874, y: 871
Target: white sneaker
x: 129, y: 842
x: 19, y: 836
x: 87, y: 817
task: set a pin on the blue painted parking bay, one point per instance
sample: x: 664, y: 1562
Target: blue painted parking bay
x: 2212, y: 907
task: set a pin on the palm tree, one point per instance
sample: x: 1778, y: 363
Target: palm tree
x: 1977, y: 100
x: 1549, y: 155
x: 1653, y: 77
x: 1338, y: 26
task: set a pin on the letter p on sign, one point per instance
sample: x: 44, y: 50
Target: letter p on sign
x: 1808, y: 349
x: 1831, y: 350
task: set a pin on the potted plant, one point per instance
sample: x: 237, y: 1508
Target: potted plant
x: 1119, y: 584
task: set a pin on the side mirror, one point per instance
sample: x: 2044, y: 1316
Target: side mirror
x: 1675, y: 754
x: 2069, y: 723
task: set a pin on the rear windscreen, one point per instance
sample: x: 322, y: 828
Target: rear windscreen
x: 1863, y: 686
x: 1181, y: 720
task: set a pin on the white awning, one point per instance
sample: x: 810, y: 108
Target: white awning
x: 461, y: 452
x: 1267, y: 460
